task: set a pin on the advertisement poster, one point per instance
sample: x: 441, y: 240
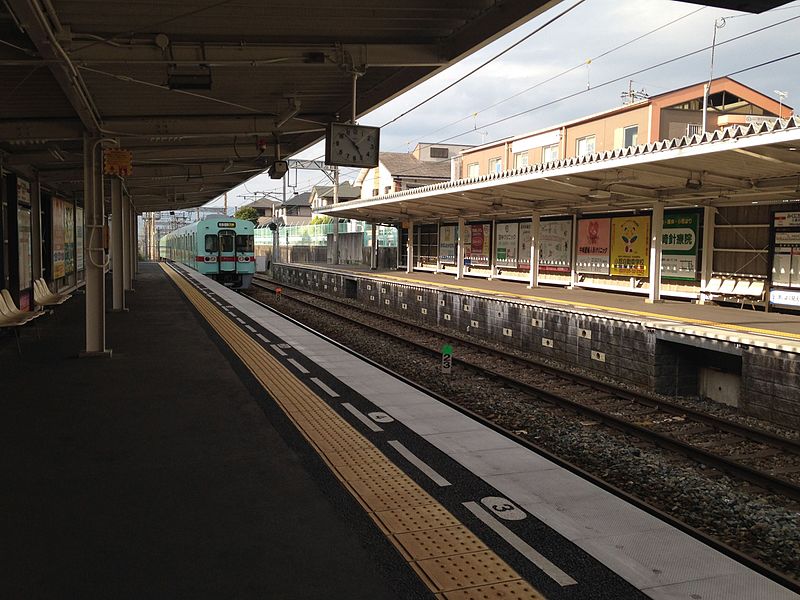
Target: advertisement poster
x: 447, y: 242
x: 786, y: 256
x: 477, y: 251
x: 594, y: 246
x: 525, y: 245
x: 630, y: 246
x: 79, y: 237
x: 787, y: 219
x: 23, y: 191
x: 507, y: 244
x: 69, y: 238
x: 679, y: 246
x: 556, y: 246
x: 58, y: 237
x: 25, y: 260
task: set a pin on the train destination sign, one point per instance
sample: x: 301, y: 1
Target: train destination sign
x: 226, y: 224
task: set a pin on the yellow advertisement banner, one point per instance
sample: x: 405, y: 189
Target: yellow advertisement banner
x: 630, y: 246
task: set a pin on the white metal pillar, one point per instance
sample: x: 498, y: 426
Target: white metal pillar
x: 117, y: 245
x: 656, y: 227
x: 410, y: 247
x: 94, y: 217
x: 493, y: 251
x: 573, y: 254
x: 126, y: 244
x: 533, y: 280
x: 460, y: 250
x: 707, y: 266
x: 437, y: 269
x: 373, y: 263
x: 335, y: 219
x: 135, y: 221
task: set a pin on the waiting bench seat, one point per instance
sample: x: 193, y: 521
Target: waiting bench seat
x: 44, y: 297
x: 13, y: 315
x: 742, y: 290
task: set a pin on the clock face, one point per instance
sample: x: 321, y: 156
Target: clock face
x: 352, y: 145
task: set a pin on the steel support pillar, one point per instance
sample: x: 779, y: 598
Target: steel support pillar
x: 707, y: 267
x: 117, y: 245
x: 127, y: 246
x: 460, y: 249
x: 95, y: 262
x: 533, y: 278
x: 437, y: 269
x: 410, y: 247
x: 573, y: 255
x: 493, y: 251
x: 373, y: 263
x: 136, y: 255
x: 656, y: 227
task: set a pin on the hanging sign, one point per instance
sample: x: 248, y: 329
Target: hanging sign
x: 117, y: 161
x: 630, y: 246
x: 679, y: 246
x: 594, y: 246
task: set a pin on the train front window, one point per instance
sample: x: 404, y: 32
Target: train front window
x: 211, y: 243
x: 244, y: 243
x: 226, y: 241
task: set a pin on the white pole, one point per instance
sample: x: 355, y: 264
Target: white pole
x: 533, y: 280
x: 410, y: 247
x: 118, y: 245
x: 656, y: 227
x: 460, y: 251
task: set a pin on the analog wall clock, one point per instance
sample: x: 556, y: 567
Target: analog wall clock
x: 352, y: 145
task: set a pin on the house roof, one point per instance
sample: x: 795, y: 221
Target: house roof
x: 303, y: 199
x: 346, y: 191
x: 402, y: 164
x: 263, y: 203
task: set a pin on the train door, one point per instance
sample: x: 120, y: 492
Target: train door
x: 227, y: 251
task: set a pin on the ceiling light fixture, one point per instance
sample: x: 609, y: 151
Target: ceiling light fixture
x: 598, y: 193
x: 693, y: 183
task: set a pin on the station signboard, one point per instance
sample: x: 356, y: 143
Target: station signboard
x: 630, y: 246
x: 594, y: 246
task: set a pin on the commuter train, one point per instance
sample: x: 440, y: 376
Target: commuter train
x: 218, y: 246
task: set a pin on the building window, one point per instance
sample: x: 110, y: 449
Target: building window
x: 495, y: 165
x: 387, y: 189
x: 375, y: 191
x: 630, y: 135
x: 694, y: 128
x: 473, y: 170
x: 521, y: 159
x: 550, y: 153
x: 585, y: 145
x: 439, y: 153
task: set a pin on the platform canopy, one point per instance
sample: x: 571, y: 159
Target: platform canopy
x: 206, y: 93
x: 738, y: 165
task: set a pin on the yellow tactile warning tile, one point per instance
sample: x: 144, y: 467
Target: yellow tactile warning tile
x: 613, y: 309
x: 441, y: 550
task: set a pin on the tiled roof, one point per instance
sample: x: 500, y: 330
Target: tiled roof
x: 400, y: 164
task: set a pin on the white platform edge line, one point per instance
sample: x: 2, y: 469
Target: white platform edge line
x: 250, y: 328
x: 325, y: 388
x: 278, y: 350
x: 520, y: 546
x: 419, y: 463
x: 298, y: 366
x: 263, y: 339
x: 361, y: 417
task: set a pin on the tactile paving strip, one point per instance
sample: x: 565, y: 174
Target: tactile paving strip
x: 445, y: 554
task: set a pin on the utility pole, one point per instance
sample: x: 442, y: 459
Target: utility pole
x: 718, y: 24
x: 225, y: 205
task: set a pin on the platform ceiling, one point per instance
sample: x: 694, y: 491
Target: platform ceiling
x: 280, y: 70
x: 740, y: 165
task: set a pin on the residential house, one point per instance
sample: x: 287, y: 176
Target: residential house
x: 396, y: 171
x: 322, y: 195
x: 669, y: 115
x: 295, y: 211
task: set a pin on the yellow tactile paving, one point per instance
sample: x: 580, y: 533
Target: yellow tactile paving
x: 444, y: 553
x: 569, y: 303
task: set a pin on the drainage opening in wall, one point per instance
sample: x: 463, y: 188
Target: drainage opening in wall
x: 351, y: 288
x: 709, y: 373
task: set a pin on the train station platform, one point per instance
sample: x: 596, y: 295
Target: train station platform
x: 737, y: 324
x: 225, y: 451
x: 166, y: 472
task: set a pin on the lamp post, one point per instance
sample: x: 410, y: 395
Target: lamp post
x: 718, y: 24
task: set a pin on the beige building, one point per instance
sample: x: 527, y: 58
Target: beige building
x: 670, y: 115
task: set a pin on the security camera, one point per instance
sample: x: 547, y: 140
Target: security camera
x: 278, y: 169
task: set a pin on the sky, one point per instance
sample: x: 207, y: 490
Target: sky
x: 531, y: 78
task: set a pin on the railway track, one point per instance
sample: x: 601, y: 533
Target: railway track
x: 758, y: 457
